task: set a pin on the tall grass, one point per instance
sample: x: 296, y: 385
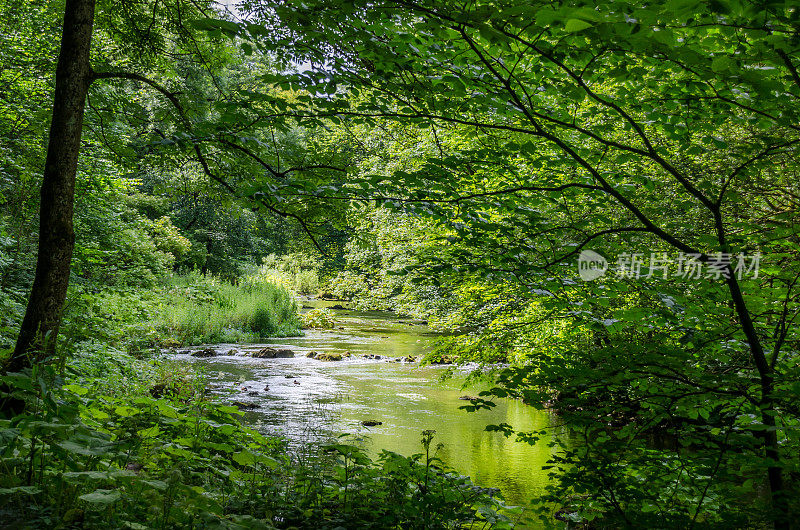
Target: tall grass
x: 204, y: 309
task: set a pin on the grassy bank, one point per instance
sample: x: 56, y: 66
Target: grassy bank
x: 181, y: 310
x: 201, y: 309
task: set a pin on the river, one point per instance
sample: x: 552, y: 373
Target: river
x: 308, y: 400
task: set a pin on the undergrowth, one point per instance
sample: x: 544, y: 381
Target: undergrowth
x: 158, y: 451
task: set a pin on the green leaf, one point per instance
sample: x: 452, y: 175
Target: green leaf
x: 101, y: 497
x: 574, y: 25
x: 721, y: 63
x: 157, y: 484
x: 25, y: 490
x: 76, y: 389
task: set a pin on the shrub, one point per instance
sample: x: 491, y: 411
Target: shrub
x: 320, y: 318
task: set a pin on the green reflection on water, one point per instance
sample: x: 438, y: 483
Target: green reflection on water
x: 328, y: 397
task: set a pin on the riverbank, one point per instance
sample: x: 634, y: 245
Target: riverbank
x: 163, y: 452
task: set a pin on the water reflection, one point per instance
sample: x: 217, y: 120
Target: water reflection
x: 308, y: 400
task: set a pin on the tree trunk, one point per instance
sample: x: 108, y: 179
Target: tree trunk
x: 769, y: 436
x: 37, y: 337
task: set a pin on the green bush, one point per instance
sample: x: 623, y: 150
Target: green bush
x: 319, y: 318
x: 182, y: 310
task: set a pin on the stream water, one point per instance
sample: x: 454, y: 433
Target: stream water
x: 308, y: 400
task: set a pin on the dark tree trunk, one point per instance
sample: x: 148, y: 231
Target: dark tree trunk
x: 770, y: 435
x: 37, y: 337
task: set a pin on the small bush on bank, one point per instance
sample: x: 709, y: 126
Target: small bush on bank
x: 183, y: 310
x: 319, y: 318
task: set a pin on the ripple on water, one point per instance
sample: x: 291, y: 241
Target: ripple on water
x: 320, y: 398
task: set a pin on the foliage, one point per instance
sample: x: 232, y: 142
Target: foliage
x: 622, y: 127
x: 456, y: 158
x: 319, y: 318
x: 171, y: 457
x: 178, y: 310
x: 385, y: 257
x: 296, y: 271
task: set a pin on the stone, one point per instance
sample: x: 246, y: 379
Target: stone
x: 329, y: 357
x: 171, y: 343
x: 371, y: 423
x: 272, y: 353
x: 208, y: 352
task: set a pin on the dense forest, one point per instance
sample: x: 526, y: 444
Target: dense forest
x: 582, y: 215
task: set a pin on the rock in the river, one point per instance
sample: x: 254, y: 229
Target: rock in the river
x: 272, y: 353
x: 208, y: 352
x: 336, y: 306
x: 253, y: 393
x: 371, y: 423
x: 312, y: 354
x: 467, y: 398
x: 232, y: 352
x: 329, y: 357
x: 409, y: 359
x: 245, y: 405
